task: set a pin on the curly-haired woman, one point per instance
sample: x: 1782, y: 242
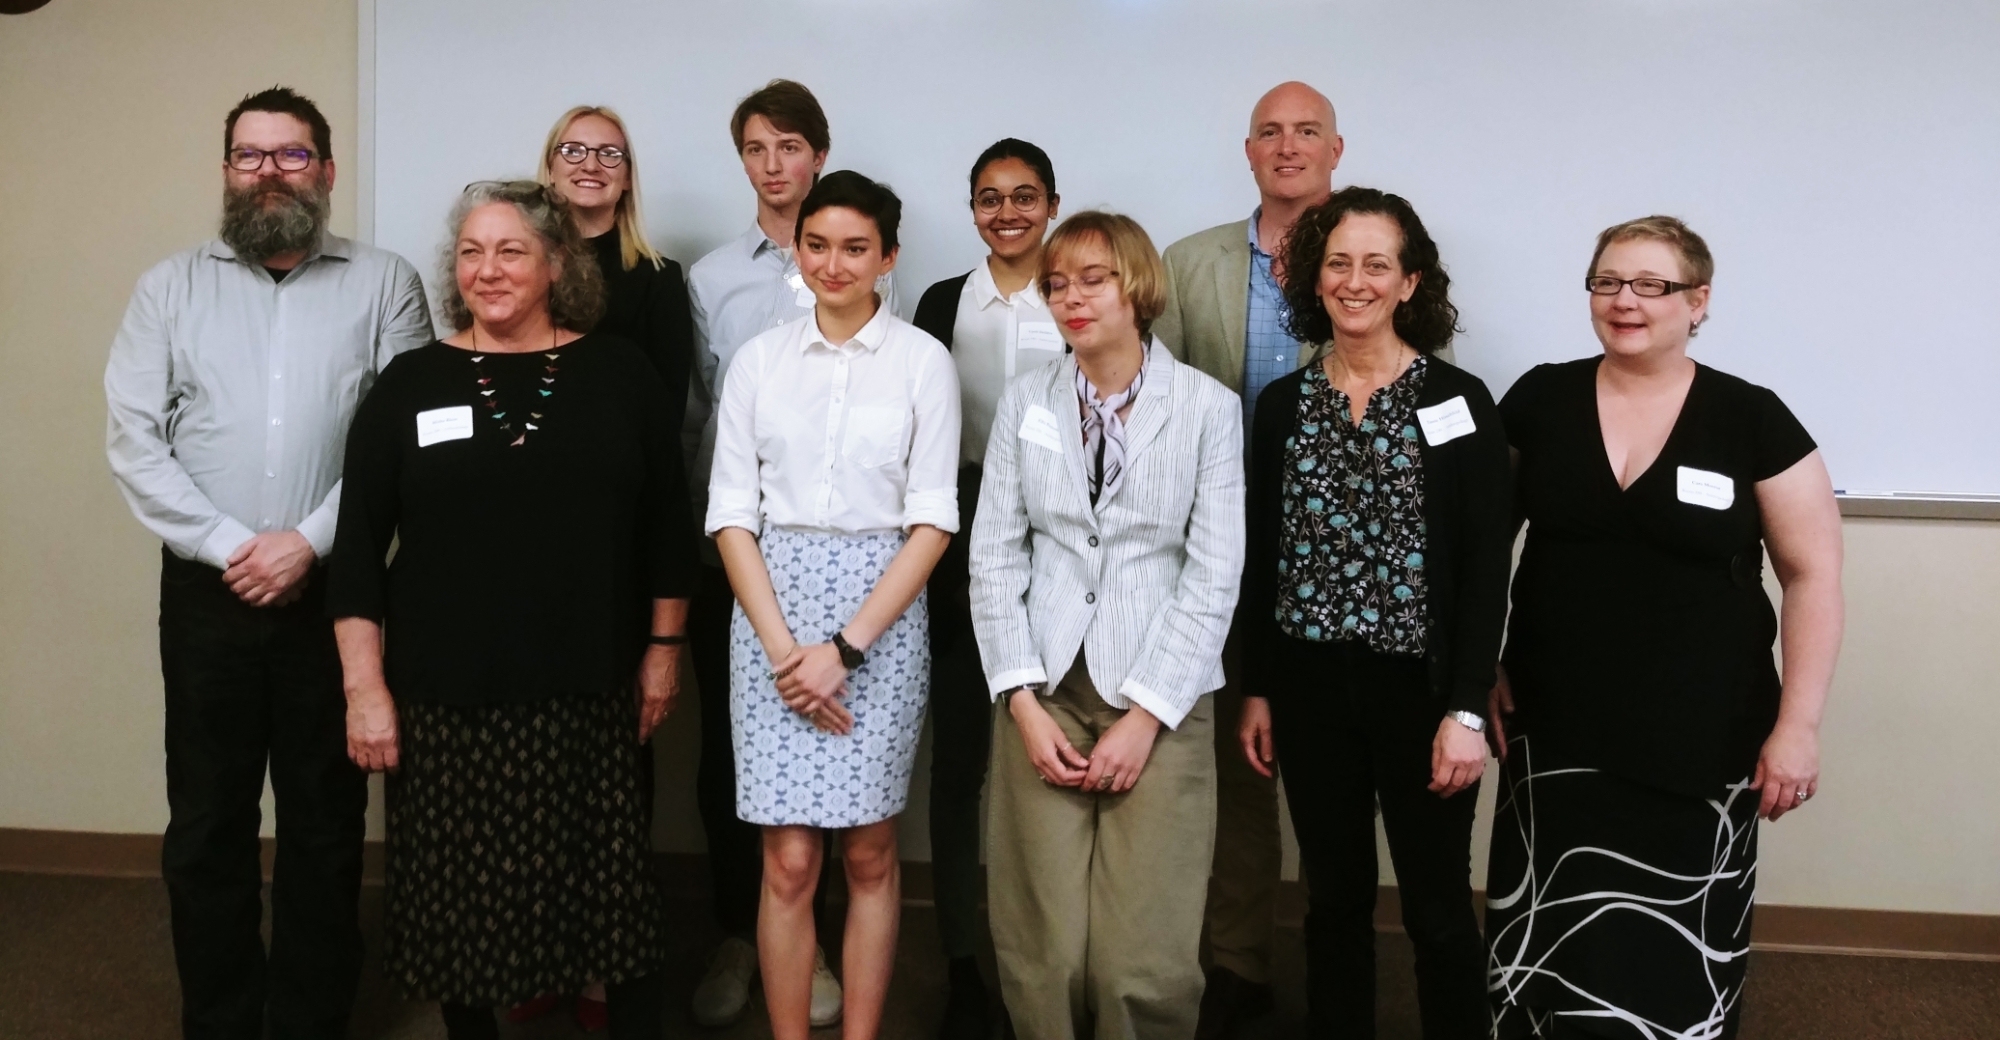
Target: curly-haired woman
x: 1373, y: 599
x: 530, y: 473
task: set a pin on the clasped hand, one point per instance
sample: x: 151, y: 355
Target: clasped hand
x: 812, y: 680
x: 1113, y: 765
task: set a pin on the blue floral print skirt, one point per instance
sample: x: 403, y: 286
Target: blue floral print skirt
x: 788, y: 772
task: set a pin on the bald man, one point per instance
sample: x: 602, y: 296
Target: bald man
x: 1224, y: 316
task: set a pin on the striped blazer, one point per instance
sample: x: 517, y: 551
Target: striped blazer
x: 1145, y: 583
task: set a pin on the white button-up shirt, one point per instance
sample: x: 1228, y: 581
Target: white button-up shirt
x: 993, y: 339
x: 230, y: 393
x: 740, y: 290
x: 851, y: 439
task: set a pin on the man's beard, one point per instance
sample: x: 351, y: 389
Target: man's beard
x: 258, y: 229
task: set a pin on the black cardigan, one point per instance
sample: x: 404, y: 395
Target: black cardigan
x: 649, y: 306
x: 937, y: 310
x: 1469, y: 525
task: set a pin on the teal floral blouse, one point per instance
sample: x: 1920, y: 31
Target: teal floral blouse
x: 1353, y: 519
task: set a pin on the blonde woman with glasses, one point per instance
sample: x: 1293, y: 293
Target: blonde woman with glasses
x: 1105, y: 559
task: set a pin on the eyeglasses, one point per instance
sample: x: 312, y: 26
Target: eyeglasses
x: 1090, y: 283
x: 1026, y: 200
x: 290, y: 160
x: 574, y: 152
x: 1605, y: 285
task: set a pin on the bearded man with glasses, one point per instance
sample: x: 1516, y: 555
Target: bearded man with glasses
x: 230, y: 385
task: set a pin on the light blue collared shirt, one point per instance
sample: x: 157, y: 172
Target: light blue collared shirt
x: 230, y: 393
x: 1269, y: 351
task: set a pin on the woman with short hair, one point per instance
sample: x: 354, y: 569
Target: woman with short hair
x: 1105, y: 561
x: 831, y: 500
x: 1373, y: 603
x: 1646, y: 727
x: 529, y: 472
x: 996, y: 326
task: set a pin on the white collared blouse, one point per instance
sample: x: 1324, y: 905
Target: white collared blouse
x: 847, y: 439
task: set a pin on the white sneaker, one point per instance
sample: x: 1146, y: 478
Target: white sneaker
x: 825, y: 1010
x: 725, y: 991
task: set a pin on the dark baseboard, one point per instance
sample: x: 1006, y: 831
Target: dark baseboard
x: 1797, y: 929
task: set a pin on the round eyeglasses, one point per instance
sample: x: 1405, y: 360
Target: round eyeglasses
x: 574, y: 152
x: 1025, y: 200
x: 1092, y: 282
x: 1605, y: 285
x: 290, y: 160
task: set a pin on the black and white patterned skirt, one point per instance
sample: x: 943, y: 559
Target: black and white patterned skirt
x: 518, y: 858
x: 1615, y: 909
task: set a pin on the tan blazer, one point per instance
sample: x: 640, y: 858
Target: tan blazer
x: 1208, y: 303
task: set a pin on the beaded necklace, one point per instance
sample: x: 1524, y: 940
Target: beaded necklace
x: 487, y: 391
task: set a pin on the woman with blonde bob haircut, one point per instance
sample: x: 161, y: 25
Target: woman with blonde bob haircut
x: 1104, y: 565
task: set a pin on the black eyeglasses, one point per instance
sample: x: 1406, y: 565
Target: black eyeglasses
x: 574, y: 152
x: 1025, y: 200
x: 290, y: 160
x: 1605, y: 285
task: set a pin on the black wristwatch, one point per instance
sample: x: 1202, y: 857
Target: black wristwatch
x: 850, y: 658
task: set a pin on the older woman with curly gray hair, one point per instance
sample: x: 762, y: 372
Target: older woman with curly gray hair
x: 530, y: 472
x: 1372, y: 604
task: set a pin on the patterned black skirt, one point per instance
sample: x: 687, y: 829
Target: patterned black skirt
x: 1615, y: 909
x: 518, y: 858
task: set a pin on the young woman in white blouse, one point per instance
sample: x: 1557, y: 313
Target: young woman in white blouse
x: 832, y: 497
x: 1105, y: 560
x: 996, y: 326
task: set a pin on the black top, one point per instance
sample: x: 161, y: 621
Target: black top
x: 937, y: 309
x: 1352, y: 518
x: 950, y: 582
x: 1467, y: 512
x: 1641, y: 636
x: 649, y: 306
x: 523, y: 572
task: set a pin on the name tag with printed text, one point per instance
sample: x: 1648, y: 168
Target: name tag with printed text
x: 1699, y: 487
x: 444, y: 424
x: 1038, y: 335
x: 1446, y: 422
x: 1039, y: 426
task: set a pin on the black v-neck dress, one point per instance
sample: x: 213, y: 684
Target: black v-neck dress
x: 1640, y: 654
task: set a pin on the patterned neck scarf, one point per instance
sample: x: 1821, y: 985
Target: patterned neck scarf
x: 1104, y: 433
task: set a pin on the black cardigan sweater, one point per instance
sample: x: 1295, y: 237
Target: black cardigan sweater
x: 1469, y: 525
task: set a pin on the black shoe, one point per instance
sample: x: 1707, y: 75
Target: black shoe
x: 1229, y: 1001
x: 967, y: 1015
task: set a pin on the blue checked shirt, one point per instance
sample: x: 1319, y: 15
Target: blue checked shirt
x: 1268, y: 350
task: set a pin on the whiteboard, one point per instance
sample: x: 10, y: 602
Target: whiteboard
x: 1842, y: 157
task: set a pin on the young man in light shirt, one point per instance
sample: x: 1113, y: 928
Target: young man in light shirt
x: 1224, y: 316
x: 744, y: 287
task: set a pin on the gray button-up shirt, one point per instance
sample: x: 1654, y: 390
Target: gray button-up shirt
x: 740, y: 290
x: 230, y: 393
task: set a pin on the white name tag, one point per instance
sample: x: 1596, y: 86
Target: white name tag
x: 1446, y: 422
x: 1038, y: 335
x: 444, y: 424
x: 1699, y: 487
x: 1039, y: 427
x: 804, y: 298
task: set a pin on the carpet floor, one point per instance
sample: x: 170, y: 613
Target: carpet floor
x: 91, y: 959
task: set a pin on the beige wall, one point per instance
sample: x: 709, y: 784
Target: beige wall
x: 112, y: 111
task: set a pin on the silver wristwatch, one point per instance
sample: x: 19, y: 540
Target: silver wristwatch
x: 1470, y: 721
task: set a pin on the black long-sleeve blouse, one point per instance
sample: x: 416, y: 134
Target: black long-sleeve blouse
x: 649, y: 306
x: 523, y: 571
x: 1467, y: 509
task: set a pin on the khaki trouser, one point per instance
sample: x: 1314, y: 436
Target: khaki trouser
x: 1096, y: 901
x: 1243, y: 893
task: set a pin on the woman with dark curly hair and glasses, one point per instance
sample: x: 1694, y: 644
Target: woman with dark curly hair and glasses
x: 535, y: 613
x: 1373, y: 598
